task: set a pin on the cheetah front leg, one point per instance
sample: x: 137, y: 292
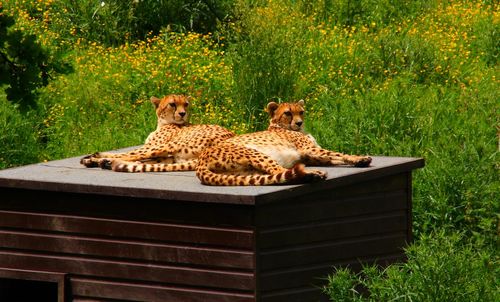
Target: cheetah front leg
x: 168, y: 165
x: 158, y: 159
x: 322, y: 157
x: 146, y: 152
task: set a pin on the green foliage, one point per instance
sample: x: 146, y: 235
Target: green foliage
x: 114, y: 22
x: 359, y: 12
x: 19, y: 139
x: 440, y: 267
x: 24, y: 65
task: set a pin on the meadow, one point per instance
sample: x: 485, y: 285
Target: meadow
x: 396, y: 78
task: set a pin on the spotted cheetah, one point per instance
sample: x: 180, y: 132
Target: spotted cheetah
x: 175, y: 143
x: 274, y: 156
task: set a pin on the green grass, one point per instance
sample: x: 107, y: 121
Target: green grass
x: 397, y: 78
x: 440, y: 267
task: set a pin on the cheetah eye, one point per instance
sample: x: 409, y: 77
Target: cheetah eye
x: 288, y: 113
x: 301, y: 113
x: 172, y: 105
x: 187, y: 104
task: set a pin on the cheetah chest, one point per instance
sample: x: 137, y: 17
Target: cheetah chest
x: 286, y: 155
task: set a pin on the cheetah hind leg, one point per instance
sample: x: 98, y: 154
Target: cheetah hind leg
x: 265, y: 165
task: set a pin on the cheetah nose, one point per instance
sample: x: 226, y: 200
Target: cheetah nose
x: 299, y: 123
x: 183, y: 113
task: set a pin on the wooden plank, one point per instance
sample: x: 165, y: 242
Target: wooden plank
x: 189, y: 276
x: 302, y: 294
x: 409, y: 210
x: 334, y: 229
x: 124, y: 291
x: 321, y: 206
x: 173, y: 233
x: 93, y: 299
x: 329, y: 251
x: 126, y: 249
x: 127, y: 208
x: 315, y: 275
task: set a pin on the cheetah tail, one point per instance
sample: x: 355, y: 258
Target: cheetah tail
x: 296, y: 174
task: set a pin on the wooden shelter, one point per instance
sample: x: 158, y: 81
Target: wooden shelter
x: 68, y: 233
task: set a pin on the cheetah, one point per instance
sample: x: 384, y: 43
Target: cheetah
x: 175, y: 143
x: 275, y: 156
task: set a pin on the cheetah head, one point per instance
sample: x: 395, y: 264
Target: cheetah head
x: 287, y: 115
x: 171, y: 109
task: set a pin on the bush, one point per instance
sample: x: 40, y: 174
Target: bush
x: 440, y: 267
x: 114, y: 22
x: 24, y: 64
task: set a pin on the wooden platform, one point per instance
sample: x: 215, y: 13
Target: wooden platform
x: 97, y: 235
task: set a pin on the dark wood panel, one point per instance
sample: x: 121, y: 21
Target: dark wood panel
x: 315, y: 275
x: 316, y: 231
x: 126, y: 208
x: 93, y: 299
x: 153, y: 293
x: 127, y: 270
x: 338, y: 250
x: 303, y: 294
x: 323, y: 206
x: 204, y: 235
x: 144, y: 251
x: 384, y: 184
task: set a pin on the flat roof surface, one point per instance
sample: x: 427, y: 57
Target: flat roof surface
x: 68, y: 175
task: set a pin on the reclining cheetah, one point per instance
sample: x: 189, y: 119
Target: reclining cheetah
x: 274, y: 156
x: 175, y: 143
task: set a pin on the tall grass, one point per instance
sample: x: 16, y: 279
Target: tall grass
x: 19, y: 140
x: 439, y: 268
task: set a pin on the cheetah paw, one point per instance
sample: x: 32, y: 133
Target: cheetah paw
x: 363, y: 161
x: 106, y: 163
x: 315, y: 175
x: 89, y: 161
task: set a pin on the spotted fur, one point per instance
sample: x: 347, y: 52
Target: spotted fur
x: 174, y: 146
x: 274, y: 156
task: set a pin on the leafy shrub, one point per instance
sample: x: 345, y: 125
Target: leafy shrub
x: 440, y: 267
x: 114, y: 22
x: 24, y: 64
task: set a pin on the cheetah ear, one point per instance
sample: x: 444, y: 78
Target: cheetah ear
x: 301, y: 102
x: 271, y: 107
x: 156, y: 101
